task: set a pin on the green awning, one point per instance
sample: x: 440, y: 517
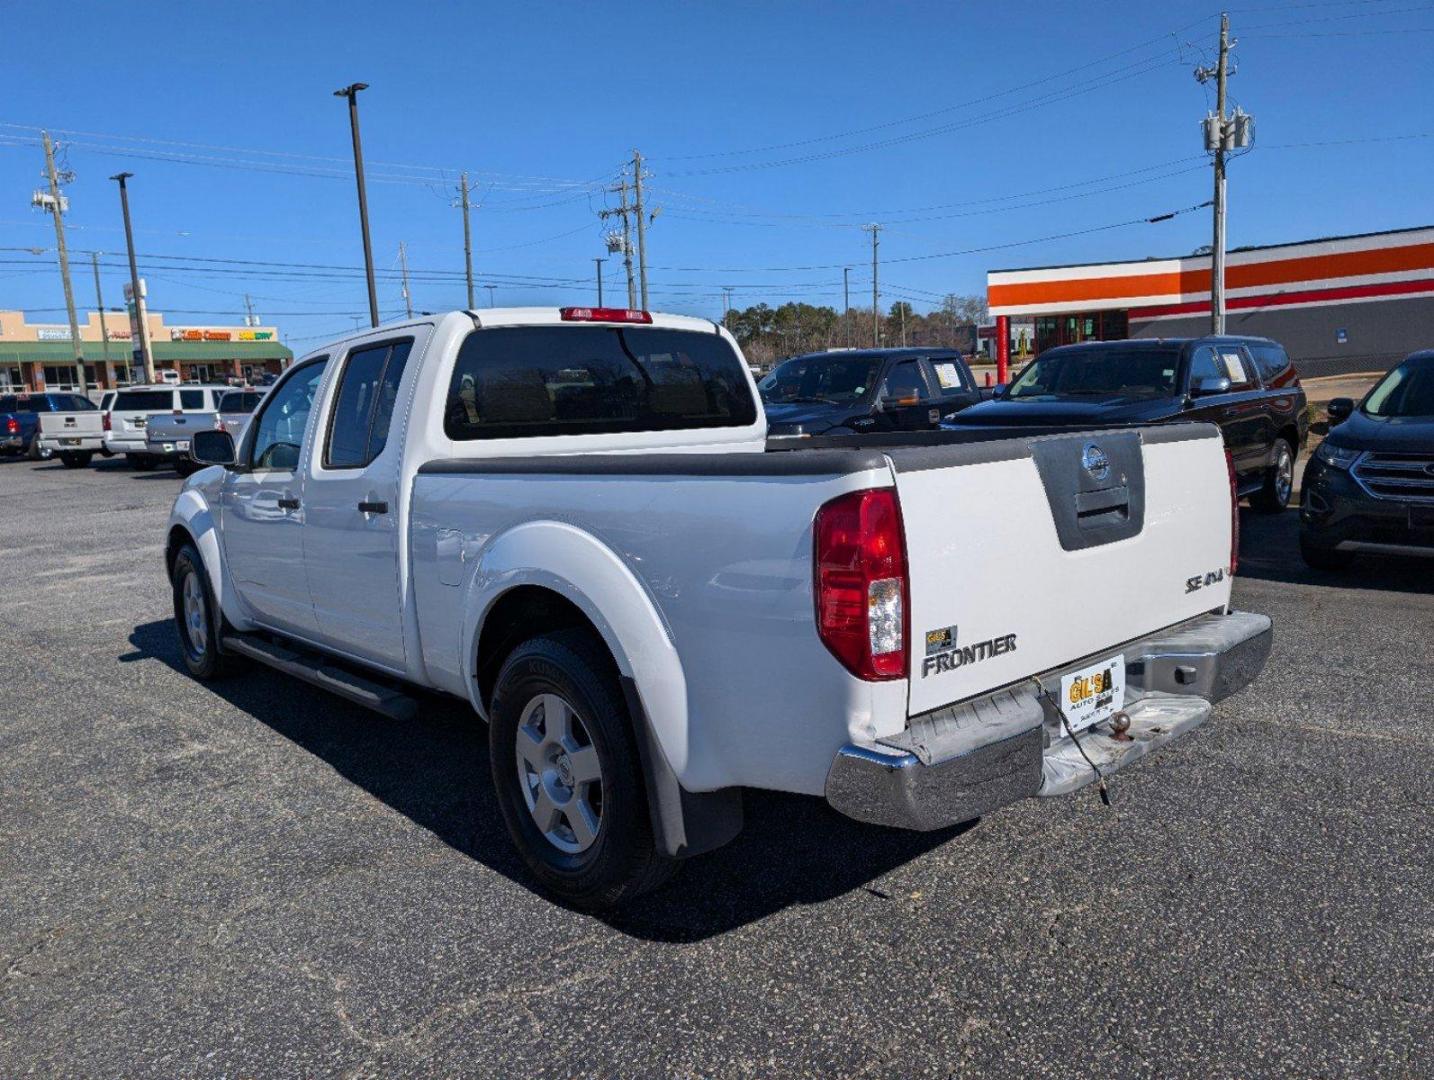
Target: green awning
x: 62, y: 352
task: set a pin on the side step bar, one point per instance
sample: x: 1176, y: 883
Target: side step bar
x: 394, y: 704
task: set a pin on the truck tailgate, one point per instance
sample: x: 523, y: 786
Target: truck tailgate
x: 1029, y: 554
x: 71, y: 425
x: 165, y: 428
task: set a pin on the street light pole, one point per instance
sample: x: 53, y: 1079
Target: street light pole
x: 351, y: 92
x: 491, y: 290
x: 598, y: 263
x: 141, y: 328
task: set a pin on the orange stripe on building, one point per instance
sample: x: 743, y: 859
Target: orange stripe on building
x: 1174, y: 284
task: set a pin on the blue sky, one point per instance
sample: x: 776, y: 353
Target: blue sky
x: 771, y: 130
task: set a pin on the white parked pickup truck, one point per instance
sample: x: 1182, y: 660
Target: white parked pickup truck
x: 572, y: 520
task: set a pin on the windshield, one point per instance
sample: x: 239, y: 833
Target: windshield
x: 1408, y: 390
x: 831, y: 380
x: 1087, y: 372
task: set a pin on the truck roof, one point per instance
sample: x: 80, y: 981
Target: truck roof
x: 525, y: 316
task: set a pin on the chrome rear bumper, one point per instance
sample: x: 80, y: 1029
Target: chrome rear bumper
x: 966, y: 760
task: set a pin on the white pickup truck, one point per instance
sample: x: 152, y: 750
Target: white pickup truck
x: 572, y: 520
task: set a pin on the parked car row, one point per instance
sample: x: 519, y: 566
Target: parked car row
x: 149, y: 425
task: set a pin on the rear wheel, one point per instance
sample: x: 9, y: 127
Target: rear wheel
x: 36, y: 452
x: 75, y: 459
x: 1274, y: 496
x: 566, y: 769
x: 197, y: 618
x: 186, y: 467
x: 141, y: 462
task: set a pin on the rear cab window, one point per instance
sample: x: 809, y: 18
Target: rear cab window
x: 143, y: 401
x: 947, y: 371
x: 515, y: 382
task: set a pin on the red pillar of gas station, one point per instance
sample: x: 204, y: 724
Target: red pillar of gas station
x: 1003, y: 347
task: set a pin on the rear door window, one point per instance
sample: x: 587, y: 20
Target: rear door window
x: 363, y: 405
x: 1271, y: 361
x: 191, y: 399
x: 583, y: 380
x: 949, y: 380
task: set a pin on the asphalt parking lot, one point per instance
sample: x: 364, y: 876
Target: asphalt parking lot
x: 260, y: 879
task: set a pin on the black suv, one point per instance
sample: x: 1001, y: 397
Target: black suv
x: 1370, y: 485
x: 1246, y: 385
x: 866, y: 390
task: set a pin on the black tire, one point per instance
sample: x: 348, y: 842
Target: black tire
x: 1319, y: 557
x: 1274, y: 495
x: 75, y: 459
x: 622, y: 860
x: 200, y: 651
x: 106, y: 453
x: 141, y: 462
x: 186, y: 467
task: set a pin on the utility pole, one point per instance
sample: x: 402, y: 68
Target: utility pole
x: 491, y: 290
x: 56, y: 205
x: 467, y: 238
x: 901, y: 311
x: 641, y: 223
x: 249, y: 319
x: 104, y: 331
x: 598, y: 263
x: 139, y: 320
x: 874, y: 229
x: 407, y: 296
x: 846, y: 303
x: 351, y: 92
x: 624, y: 242
x: 1217, y: 250
x: 726, y: 303
x: 1222, y: 134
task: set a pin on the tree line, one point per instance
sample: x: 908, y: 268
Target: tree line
x: 769, y: 334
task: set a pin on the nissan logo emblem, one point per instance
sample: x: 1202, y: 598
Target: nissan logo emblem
x: 1094, y: 461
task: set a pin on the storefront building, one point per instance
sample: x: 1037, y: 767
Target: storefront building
x: 41, y: 356
x: 1339, y: 304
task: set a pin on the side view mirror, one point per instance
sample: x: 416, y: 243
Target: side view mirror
x: 212, y: 447
x: 1207, y: 386
x: 1000, y: 390
x: 1339, y: 409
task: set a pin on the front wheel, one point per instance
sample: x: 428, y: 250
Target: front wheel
x: 197, y: 618
x: 566, y: 770
x: 1279, y: 484
x: 75, y: 459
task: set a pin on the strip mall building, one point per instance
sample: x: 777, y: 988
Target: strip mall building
x: 40, y: 356
x: 1340, y: 304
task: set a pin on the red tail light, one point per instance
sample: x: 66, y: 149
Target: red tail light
x: 1234, y: 515
x: 603, y: 314
x: 105, y: 421
x: 861, y: 583
x: 12, y: 426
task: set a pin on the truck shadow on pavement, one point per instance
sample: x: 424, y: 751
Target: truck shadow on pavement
x: 434, y: 771
x: 1270, y: 551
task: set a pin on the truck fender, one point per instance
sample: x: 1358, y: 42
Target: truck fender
x: 585, y: 571
x: 192, y: 514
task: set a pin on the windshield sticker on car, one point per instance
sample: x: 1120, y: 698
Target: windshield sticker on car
x: 947, y: 376
x: 1234, y: 367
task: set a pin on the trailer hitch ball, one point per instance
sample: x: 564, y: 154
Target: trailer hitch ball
x: 1119, y: 725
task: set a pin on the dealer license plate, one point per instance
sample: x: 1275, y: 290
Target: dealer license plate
x: 1093, y: 693
x: 182, y: 444
x: 69, y: 442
